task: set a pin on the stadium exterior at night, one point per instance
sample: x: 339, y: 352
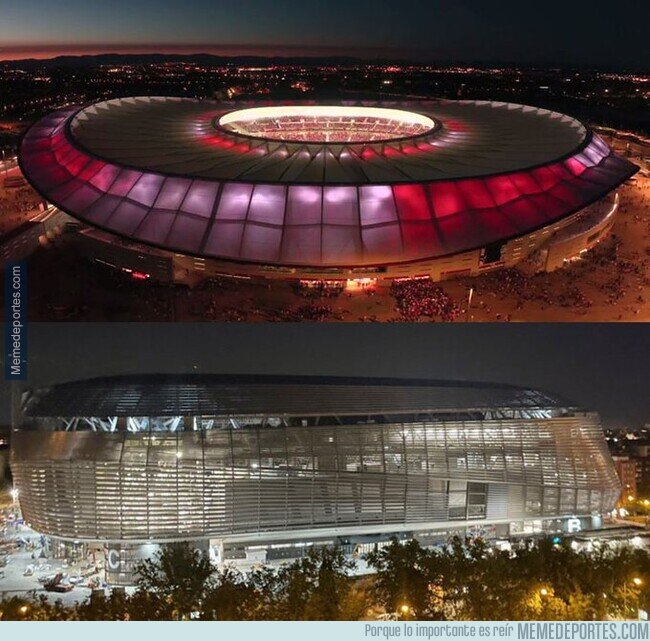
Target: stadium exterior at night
x: 259, y: 467
x: 174, y: 188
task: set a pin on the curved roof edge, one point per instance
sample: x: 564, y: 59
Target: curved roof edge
x: 167, y: 394
x: 373, y: 224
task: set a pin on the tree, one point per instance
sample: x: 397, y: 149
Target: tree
x: 331, y: 586
x: 626, y: 580
x: 266, y: 584
x: 314, y: 587
x: 476, y: 580
x: 466, y: 579
x: 358, y: 601
x: 231, y: 596
x: 175, y: 580
x: 404, y: 578
x: 116, y: 607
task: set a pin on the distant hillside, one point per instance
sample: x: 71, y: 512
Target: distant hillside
x: 198, y: 58
x: 305, y: 61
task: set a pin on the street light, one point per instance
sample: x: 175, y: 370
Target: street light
x: 543, y: 592
x: 470, y: 295
x: 637, y: 581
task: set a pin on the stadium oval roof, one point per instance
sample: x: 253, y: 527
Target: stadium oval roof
x: 211, y: 395
x: 174, y: 173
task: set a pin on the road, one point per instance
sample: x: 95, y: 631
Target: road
x: 9, y: 165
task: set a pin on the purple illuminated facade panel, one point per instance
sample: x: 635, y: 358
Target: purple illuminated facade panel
x: 340, y: 206
x: 200, y: 198
x: 146, y: 189
x: 234, y: 202
x: 267, y: 204
x: 304, y: 205
x: 376, y: 205
x: 187, y: 232
x: 172, y: 193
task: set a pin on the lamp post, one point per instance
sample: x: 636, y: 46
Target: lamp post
x: 470, y: 295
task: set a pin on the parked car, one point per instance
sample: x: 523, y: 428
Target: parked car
x: 57, y: 585
x: 46, y: 578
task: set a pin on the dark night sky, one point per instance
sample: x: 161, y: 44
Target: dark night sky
x: 603, y: 367
x: 571, y: 32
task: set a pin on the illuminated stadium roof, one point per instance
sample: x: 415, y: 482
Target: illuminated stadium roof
x: 192, y: 394
x: 349, y: 185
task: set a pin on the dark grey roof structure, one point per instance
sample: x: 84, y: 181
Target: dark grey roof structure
x: 197, y: 137
x: 205, y: 394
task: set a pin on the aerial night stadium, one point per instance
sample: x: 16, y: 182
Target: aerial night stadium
x: 363, y: 192
x: 316, y: 193
x: 255, y: 468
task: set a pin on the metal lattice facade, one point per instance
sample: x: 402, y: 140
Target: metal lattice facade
x: 285, y: 481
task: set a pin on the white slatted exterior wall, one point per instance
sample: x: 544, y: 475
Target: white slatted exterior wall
x: 122, y: 486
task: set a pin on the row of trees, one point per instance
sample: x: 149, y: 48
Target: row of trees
x: 468, y: 580
x: 465, y: 580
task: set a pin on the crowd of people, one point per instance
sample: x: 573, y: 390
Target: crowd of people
x: 422, y: 298
x: 313, y: 311
x: 14, y: 204
x: 319, y: 289
x: 602, y: 276
x: 523, y: 288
